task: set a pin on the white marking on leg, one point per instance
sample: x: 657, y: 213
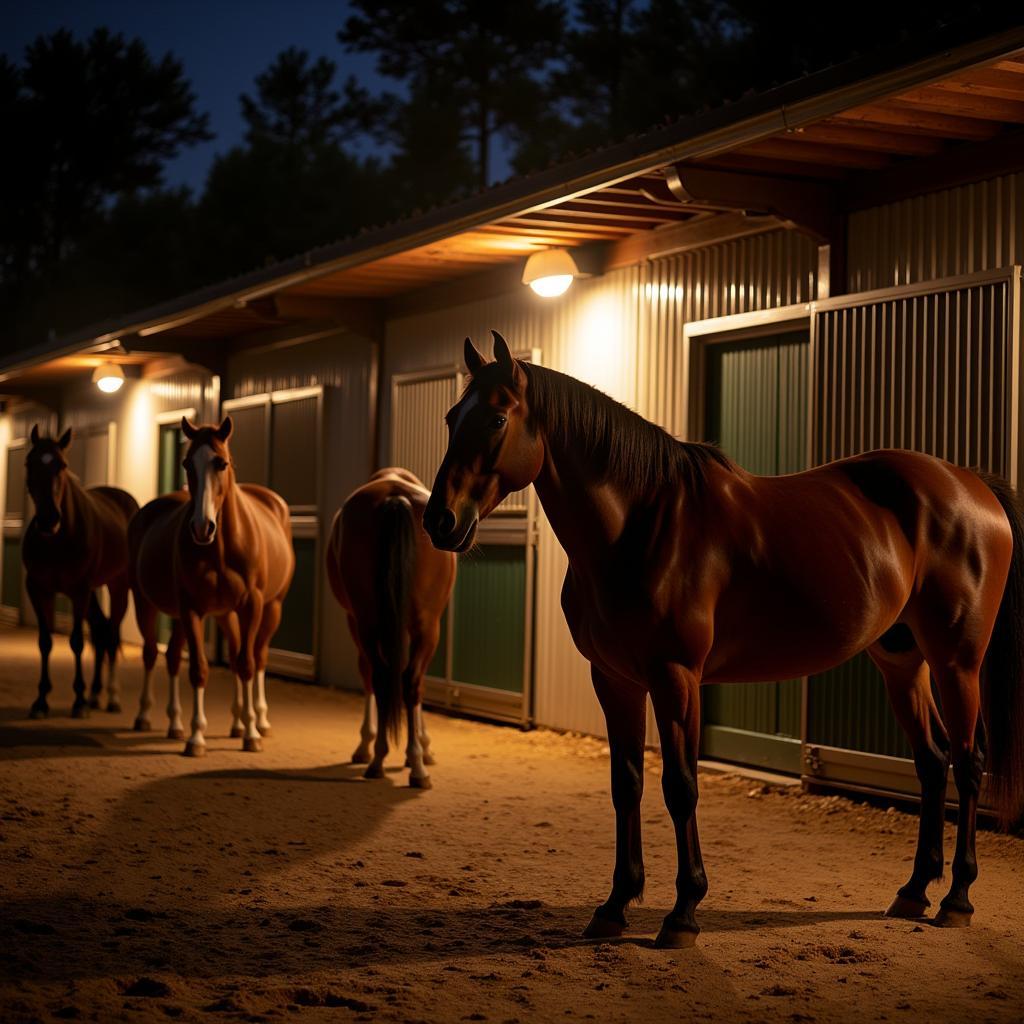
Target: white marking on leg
x: 414, y: 748
x: 368, y: 730
x: 198, y: 737
x: 380, y: 752
x: 428, y: 756
x: 251, y: 735
x: 262, y: 719
x: 174, y: 724
x: 145, y: 700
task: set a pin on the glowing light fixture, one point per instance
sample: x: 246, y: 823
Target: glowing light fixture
x: 108, y: 377
x: 550, y: 272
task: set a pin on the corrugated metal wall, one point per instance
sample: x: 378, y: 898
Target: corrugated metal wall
x: 929, y: 372
x: 418, y: 434
x: 942, y: 234
x: 622, y: 333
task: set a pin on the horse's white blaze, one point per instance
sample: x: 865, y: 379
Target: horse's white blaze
x: 174, y: 706
x: 368, y: 730
x: 197, y: 739
x: 204, y: 509
x: 414, y: 748
x: 46, y: 458
x: 262, y: 719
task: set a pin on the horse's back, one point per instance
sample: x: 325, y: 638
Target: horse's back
x: 118, y: 503
x: 359, y: 548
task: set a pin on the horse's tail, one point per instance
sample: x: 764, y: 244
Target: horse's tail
x: 397, y: 555
x: 1003, y: 689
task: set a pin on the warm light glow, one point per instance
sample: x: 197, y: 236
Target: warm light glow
x: 550, y: 272
x: 549, y: 287
x: 108, y: 378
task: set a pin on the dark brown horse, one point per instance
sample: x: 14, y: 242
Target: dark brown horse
x: 394, y: 585
x: 222, y: 549
x: 76, y: 542
x: 685, y: 569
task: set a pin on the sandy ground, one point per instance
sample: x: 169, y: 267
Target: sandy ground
x: 140, y: 885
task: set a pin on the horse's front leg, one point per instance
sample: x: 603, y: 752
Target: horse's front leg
x: 79, y: 605
x: 675, y: 692
x: 625, y: 710
x: 42, y: 604
x: 249, y: 617
x: 198, y: 669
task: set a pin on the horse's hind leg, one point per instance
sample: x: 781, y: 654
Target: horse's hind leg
x: 960, y: 692
x: 230, y: 630
x: 99, y: 628
x: 625, y: 708
x: 908, y: 683
x: 79, y: 604
x: 42, y: 605
x: 268, y: 627
x: 118, y: 590
x: 368, y: 730
x: 145, y: 616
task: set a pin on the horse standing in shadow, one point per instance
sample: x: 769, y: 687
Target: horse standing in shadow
x: 222, y: 549
x: 76, y: 542
x: 685, y: 569
x: 394, y: 586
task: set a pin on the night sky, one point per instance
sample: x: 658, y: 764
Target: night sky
x: 223, y: 44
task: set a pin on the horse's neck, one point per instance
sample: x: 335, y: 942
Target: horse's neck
x: 587, y: 517
x: 71, y: 503
x: 236, y: 524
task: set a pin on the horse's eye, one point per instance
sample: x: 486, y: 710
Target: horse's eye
x: 219, y: 464
x: 498, y: 422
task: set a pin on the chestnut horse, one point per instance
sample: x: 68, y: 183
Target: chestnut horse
x: 685, y: 569
x: 222, y: 549
x: 76, y: 542
x: 394, y: 585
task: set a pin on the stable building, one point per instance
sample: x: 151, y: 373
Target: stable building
x: 820, y: 270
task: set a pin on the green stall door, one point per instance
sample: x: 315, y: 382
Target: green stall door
x: 757, y: 413
x: 489, y: 608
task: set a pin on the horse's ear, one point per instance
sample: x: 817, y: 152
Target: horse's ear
x: 506, y: 360
x: 65, y: 438
x: 225, y: 428
x: 188, y: 429
x: 34, y: 436
x: 474, y: 360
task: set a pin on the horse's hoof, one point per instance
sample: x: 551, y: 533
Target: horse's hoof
x: 675, y: 938
x: 175, y: 734
x: 80, y: 710
x: 237, y: 732
x: 265, y: 731
x: 142, y: 725
x: 429, y: 759
x: 194, y: 749
x: 948, y: 918
x: 905, y: 907
x: 361, y: 757
x: 113, y: 707
x: 423, y: 782
x: 602, y: 928
x: 375, y: 771
x: 39, y: 711
x: 252, y: 744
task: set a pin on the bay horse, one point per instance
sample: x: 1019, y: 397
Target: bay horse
x: 75, y: 543
x: 394, y: 586
x: 685, y: 569
x: 222, y: 549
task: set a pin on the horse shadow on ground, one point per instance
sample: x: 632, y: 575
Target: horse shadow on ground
x: 67, y: 938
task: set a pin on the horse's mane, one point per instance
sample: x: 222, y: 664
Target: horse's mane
x: 621, y: 445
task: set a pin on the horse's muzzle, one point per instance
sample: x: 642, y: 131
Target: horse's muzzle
x: 203, y: 533
x: 443, y: 528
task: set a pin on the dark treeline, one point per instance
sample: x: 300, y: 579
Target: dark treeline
x: 90, y: 230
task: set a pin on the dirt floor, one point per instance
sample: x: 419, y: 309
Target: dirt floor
x: 140, y: 885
